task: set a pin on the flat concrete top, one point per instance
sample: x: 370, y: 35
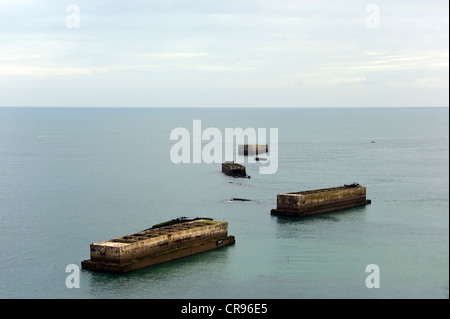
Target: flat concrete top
x: 110, y: 243
x: 160, y: 231
x: 321, y: 190
x: 232, y: 164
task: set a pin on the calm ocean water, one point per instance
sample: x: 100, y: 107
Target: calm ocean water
x: 73, y: 176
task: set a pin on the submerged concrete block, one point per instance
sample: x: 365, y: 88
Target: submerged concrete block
x: 234, y: 169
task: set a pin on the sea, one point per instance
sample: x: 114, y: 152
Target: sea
x: 70, y: 177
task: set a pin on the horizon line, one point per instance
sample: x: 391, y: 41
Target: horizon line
x: 223, y: 107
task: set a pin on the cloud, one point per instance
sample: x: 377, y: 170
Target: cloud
x: 347, y: 81
x: 171, y: 55
x: 432, y: 83
x: 431, y: 59
x: 224, y: 68
x: 260, y: 50
x: 42, y: 71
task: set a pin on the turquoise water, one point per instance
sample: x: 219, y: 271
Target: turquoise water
x: 73, y: 176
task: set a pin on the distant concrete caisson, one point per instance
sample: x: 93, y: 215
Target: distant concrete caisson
x: 234, y: 169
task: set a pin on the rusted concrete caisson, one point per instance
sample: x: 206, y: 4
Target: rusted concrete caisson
x: 164, y: 242
x: 323, y: 200
x: 234, y: 169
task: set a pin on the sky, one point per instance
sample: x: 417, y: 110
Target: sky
x: 224, y: 53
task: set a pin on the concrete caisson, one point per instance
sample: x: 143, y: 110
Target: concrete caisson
x: 322, y: 200
x: 158, y: 244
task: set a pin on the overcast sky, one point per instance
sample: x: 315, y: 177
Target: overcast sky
x: 224, y: 53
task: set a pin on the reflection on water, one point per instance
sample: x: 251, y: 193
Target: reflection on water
x: 335, y: 216
x: 318, y: 224
x: 150, y: 282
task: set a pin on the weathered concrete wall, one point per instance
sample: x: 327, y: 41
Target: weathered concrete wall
x: 165, y: 256
x: 320, y: 200
x: 153, y: 241
x: 295, y: 201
